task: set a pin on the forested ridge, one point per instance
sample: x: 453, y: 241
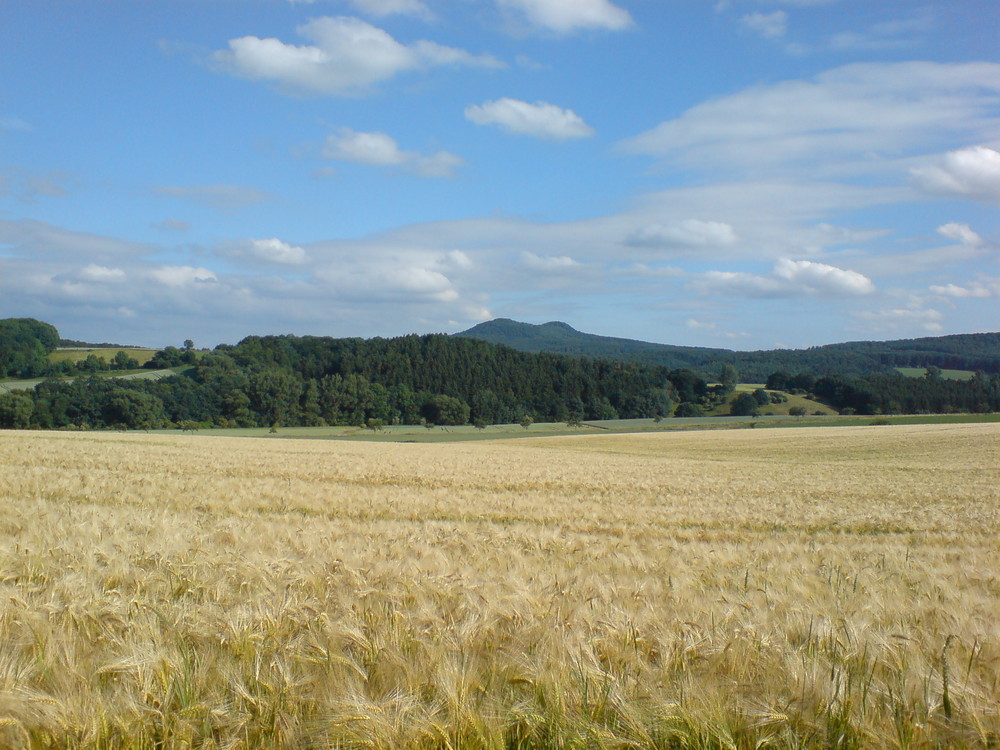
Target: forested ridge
x: 979, y: 351
x: 431, y: 379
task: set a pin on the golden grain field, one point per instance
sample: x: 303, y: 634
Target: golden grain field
x: 787, y: 588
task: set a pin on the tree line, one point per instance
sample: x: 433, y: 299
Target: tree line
x: 432, y: 379
x: 312, y: 381
x: 893, y: 393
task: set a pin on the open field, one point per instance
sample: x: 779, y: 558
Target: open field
x: 24, y: 385
x: 789, y: 588
x: 78, y: 354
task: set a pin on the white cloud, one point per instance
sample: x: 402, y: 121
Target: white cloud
x: 974, y: 290
x: 182, y: 276
x: 819, y: 278
x: 381, y: 8
x: 459, y: 260
x: 700, y: 325
x: 379, y: 149
x: 274, y: 250
x: 363, y: 148
x: 768, y: 25
x: 845, y: 121
x: 101, y: 274
x: 388, y: 279
x: 541, y: 119
x: 685, y: 233
x: 346, y: 57
x: 896, y: 318
x: 969, y: 172
x: 548, y: 263
x: 788, y: 278
x: 892, y: 34
x: 961, y: 232
x: 565, y: 16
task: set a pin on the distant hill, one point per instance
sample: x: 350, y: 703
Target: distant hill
x: 976, y: 351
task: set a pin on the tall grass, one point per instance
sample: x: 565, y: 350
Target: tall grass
x: 783, y: 588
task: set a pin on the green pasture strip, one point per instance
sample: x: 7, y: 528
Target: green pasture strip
x: 78, y: 354
x: 919, y: 372
x: 7, y: 386
x: 27, y: 385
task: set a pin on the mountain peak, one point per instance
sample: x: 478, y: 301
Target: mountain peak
x: 559, y: 324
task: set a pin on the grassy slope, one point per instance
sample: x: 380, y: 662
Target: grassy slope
x: 809, y: 405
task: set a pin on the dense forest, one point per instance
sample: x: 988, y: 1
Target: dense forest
x: 980, y: 351
x: 431, y: 379
x: 289, y: 380
x: 25, y: 345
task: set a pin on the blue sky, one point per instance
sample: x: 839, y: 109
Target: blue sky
x: 748, y: 174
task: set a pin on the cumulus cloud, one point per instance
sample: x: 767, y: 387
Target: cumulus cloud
x: 101, y: 274
x: 182, y: 276
x: 700, y: 325
x: 788, y: 278
x: 458, y: 260
x: 566, y: 16
x: 768, y: 25
x: 274, y: 250
x: 222, y: 197
x: 381, y: 150
x: 548, y: 263
x: 847, y: 120
x: 969, y: 172
x: 819, y: 278
x: 961, y: 232
x: 903, y: 318
x: 383, y: 279
x: 685, y: 233
x: 975, y: 290
x: 540, y: 120
x: 346, y: 57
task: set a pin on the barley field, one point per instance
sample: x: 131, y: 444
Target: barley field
x: 785, y: 588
